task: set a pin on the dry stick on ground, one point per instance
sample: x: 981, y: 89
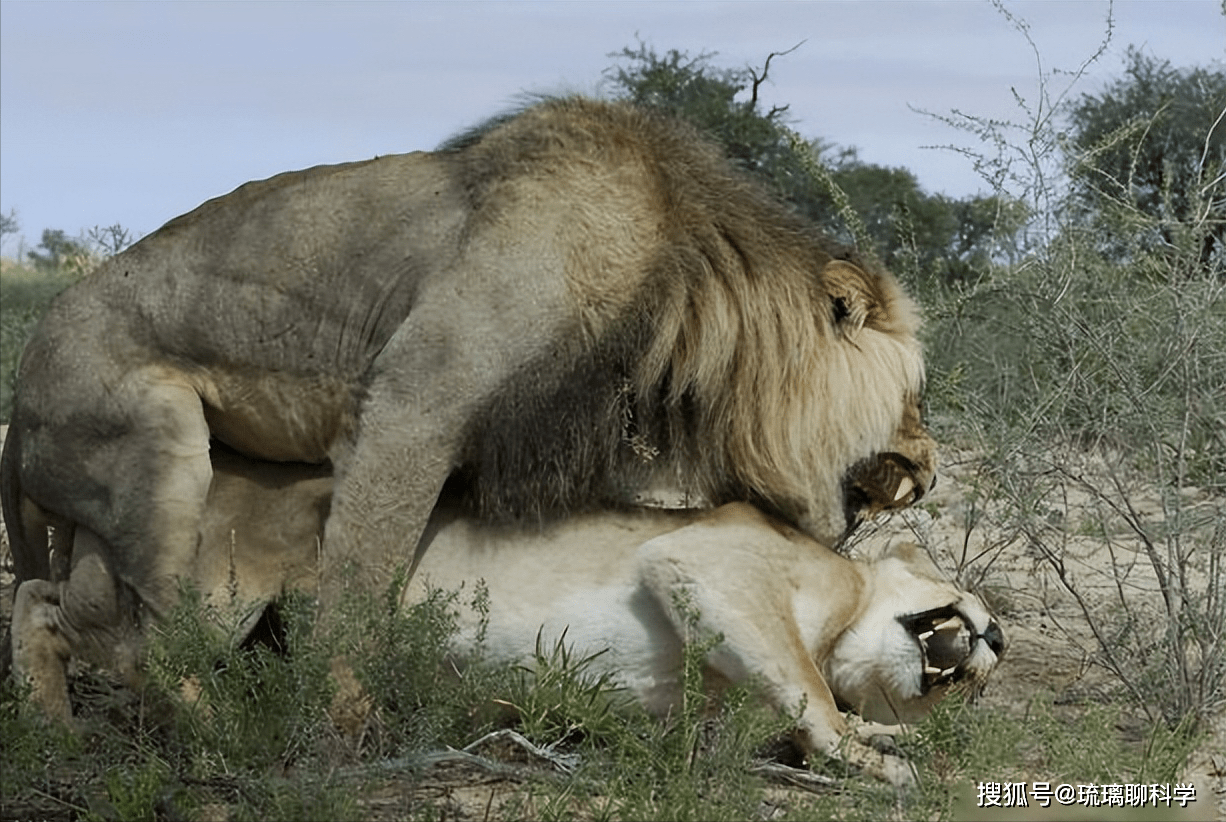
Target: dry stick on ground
x: 564, y: 764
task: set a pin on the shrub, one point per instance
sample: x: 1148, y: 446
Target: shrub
x: 1091, y: 378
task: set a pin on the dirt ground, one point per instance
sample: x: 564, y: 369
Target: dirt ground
x: 1050, y: 642
x: 1049, y: 650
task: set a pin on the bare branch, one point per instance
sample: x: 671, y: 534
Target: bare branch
x: 759, y: 79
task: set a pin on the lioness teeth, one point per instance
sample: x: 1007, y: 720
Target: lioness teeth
x: 924, y: 637
x: 953, y: 623
x: 948, y: 671
x: 904, y: 488
x: 928, y: 669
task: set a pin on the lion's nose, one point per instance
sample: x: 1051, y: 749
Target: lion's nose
x: 994, y: 637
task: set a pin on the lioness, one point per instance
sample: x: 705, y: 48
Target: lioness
x: 561, y: 306
x: 886, y: 639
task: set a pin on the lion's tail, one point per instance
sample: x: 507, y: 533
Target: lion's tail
x: 10, y: 504
x: 28, y: 561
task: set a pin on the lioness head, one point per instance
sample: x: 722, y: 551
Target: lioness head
x: 893, y: 665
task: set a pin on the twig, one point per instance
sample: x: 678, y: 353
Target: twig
x: 63, y: 802
x: 564, y: 762
x: 797, y: 777
x: 758, y: 80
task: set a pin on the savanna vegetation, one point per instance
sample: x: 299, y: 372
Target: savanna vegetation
x: 1076, y: 341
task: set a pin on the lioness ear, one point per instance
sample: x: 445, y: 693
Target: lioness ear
x: 906, y: 551
x: 850, y: 301
x: 915, y: 557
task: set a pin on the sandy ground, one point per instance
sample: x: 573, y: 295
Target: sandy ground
x: 1051, y: 647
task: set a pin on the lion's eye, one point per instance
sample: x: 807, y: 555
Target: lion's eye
x: 841, y: 310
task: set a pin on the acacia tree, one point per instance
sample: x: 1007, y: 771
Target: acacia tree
x: 693, y: 89
x: 8, y: 223
x: 931, y: 237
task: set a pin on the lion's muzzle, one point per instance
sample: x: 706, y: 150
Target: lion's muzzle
x: 952, y: 649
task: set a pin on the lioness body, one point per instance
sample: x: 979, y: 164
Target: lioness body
x: 578, y: 297
x: 811, y: 626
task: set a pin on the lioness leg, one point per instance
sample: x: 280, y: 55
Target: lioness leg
x: 40, y: 649
x: 746, y: 598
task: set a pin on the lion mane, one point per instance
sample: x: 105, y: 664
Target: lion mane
x: 757, y: 362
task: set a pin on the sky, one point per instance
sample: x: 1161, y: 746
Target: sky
x: 131, y: 113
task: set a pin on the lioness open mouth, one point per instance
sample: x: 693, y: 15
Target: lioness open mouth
x: 946, y: 640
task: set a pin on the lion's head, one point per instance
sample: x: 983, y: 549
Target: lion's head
x: 919, y: 637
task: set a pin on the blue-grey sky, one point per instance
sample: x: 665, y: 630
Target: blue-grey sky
x: 133, y: 112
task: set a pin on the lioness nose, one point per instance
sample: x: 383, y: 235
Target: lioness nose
x: 994, y: 637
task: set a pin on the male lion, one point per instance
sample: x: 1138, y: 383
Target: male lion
x: 886, y: 639
x: 556, y: 307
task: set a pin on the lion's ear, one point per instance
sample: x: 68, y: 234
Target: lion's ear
x: 850, y: 301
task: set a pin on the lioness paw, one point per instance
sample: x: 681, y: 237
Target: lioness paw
x: 898, y: 771
x: 868, y: 759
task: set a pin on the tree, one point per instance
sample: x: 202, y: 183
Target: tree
x: 1154, y: 141
x: 78, y: 253
x: 691, y: 88
x: 58, y: 250
x: 109, y: 240
x: 8, y: 223
x: 918, y: 235
x: 929, y: 236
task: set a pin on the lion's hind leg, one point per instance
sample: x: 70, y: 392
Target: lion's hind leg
x: 40, y: 649
x: 80, y: 617
x: 134, y: 470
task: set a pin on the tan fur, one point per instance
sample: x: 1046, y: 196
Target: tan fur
x: 812, y: 627
x: 562, y: 307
